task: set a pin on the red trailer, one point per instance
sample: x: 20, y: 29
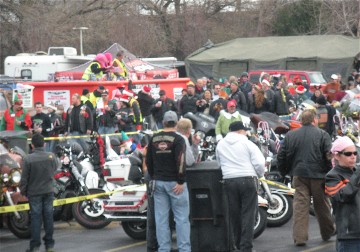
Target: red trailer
x: 61, y: 92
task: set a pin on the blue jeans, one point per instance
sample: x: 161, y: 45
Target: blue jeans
x: 41, y: 209
x: 348, y: 245
x: 164, y: 199
x: 81, y: 141
x: 106, y: 130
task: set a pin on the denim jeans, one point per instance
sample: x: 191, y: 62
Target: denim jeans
x: 151, y: 241
x: 41, y: 209
x: 81, y: 141
x: 164, y: 199
x: 106, y: 130
x: 348, y: 245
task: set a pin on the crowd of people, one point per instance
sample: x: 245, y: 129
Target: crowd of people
x: 173, y: 149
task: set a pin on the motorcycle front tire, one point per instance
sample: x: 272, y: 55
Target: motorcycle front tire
x: 135, y: 229
x: 19, y: 227
x: 260, y: 222
x: 281, y: 211
x: 85, y: 220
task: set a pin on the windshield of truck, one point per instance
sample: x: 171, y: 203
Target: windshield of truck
x: 317, y: 78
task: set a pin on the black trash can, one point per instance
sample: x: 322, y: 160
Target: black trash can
x: 209, y: 216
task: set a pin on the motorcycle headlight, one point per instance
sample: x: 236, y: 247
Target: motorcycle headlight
x: 15, y: 177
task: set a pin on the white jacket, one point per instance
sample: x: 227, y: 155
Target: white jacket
x: 239, y: 157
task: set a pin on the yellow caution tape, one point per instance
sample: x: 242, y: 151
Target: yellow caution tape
x: 269, y: 182
x: 61, y: 138
x: 59, y: 202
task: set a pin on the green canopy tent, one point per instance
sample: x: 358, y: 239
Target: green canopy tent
x: 326, y: 53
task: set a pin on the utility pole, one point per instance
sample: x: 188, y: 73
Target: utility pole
x: 81, y: 38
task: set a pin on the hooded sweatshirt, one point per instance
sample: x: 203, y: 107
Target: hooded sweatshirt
x: 239, y: 157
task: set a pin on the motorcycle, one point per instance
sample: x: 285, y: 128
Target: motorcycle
x: 204, y: 127
x: 279, y: 195
x: 10, y: 175
x: 71, y: 182
x: 130, y: 207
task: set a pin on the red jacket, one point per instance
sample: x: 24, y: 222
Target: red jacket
x: 8, y: 122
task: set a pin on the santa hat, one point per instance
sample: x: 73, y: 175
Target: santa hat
x: 17, y: 99
x: 146, y: 89
x: 124, y: 98
x: 300, y: 89
x: 264, y: 81
x: 116, y: 94
x: 128, y: 93
x: 52, y: 106
x: 257, y: 87
x: 276, y: 75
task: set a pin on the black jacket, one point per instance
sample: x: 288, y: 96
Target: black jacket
x: 38, y: 173
x: 146, y: 103
x: 278, y: 106
x: 165, y: 158
x: 159, y: 112
x: 343, y: 186
x: 42, y: 120
x: 305, y: 153
x: 188, y: 104
x: 240, y: 99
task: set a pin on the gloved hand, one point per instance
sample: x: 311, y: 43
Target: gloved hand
x: 219, y: 137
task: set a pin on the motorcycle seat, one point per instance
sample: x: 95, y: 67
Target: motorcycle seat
x: 273, y: 120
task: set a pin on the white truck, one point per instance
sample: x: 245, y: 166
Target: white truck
x: 41, y: 66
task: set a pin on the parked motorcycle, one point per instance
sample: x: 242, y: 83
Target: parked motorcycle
x: 71, y: 182
x: 204, y: 127
x: 130, y: 207
x: 10, y: 175
x: 279, y: 195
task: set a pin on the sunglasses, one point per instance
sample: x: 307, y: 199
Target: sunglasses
x: 349, y: 153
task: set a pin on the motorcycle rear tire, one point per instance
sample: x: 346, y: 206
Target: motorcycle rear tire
x: 282, y: 215
x: 260, y: 222
x: 84, y: 219
x: 19, y: 227
x: 135, y: 229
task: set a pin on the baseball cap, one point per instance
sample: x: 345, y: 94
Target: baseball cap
x: 334, y: 77
x: 238, y: 125
x: 170, y: 116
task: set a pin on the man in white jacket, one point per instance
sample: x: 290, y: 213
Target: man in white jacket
x: 241, y: 163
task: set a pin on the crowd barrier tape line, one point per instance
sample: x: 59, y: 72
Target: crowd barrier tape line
x: 60, y: 138
x: 269, y: 182
x: 59, y: 202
